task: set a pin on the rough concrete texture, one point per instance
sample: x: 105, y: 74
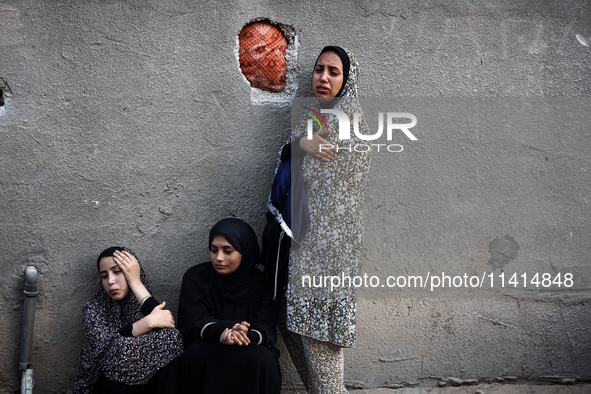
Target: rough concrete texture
x: 131, y: 123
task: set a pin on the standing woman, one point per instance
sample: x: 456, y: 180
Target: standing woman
x: 129, y: 339
x: 321, y: 322
x: 228, y: 318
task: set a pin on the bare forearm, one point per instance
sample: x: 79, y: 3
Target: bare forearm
x: 140, y: 292
x: 142, y: 326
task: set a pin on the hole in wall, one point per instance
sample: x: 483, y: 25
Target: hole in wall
x: 262, y: 56
x: 267, y: 54
x: 5, y: 94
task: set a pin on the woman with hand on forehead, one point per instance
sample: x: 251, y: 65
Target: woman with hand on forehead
x: 320, y: 322
x: 228, y: 318
x: 129, y: 339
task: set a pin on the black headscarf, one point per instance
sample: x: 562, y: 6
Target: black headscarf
x: 346, y: 66
x: 240, y: 283
x: 109, y: 253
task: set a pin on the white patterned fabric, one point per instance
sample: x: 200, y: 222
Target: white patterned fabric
x: 334, y: 193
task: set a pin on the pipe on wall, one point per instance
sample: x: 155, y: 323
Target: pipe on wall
x: 31, y: 291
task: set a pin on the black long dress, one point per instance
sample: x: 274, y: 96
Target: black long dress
x: 209, y: 303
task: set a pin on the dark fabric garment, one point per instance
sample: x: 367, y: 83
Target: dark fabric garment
x: 208, y: 305
x: 127, y: 360
x: 167, y: 380
x: 106, y: 386
x: 201, y: 304
x: 292, y: 149
x: 275, y: 256
x: 289, y: 198
x: 213, y: 368
x: 147, y: 308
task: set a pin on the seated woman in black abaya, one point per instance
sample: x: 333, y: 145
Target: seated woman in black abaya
x: 227, y: 318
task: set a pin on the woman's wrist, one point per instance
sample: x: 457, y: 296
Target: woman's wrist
x: 140, y: 292
x: 142, y: 326
x: 135, y: 284
x: 150, y: 321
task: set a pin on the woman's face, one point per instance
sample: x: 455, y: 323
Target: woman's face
x: 223, y: 256
x: 327, y: 78
x: 113, y: 279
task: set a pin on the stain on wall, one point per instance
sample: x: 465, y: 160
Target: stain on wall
x: 502, y: 250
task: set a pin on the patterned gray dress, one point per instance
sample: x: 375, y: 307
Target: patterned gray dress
x: 332, y: 247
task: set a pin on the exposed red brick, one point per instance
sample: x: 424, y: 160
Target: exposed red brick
x: 262, y: 56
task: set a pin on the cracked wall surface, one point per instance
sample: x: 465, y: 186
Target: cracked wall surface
x: 131, y: 123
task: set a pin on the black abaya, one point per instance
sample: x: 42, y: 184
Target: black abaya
x: 209, y: 303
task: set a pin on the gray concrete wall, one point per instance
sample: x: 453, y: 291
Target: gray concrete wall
x: 130, y: 123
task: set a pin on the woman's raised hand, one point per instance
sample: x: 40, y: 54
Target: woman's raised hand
x: 318, y: 147
x: 129, y: 265
x: 131, y: 269
x: 161, y: 318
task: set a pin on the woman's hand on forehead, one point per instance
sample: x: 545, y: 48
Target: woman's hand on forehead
x: 129, y: 265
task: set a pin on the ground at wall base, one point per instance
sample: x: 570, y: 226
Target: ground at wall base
x: 492, y: 388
